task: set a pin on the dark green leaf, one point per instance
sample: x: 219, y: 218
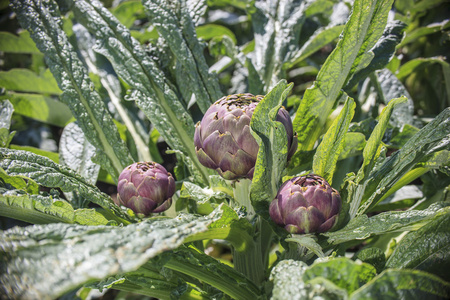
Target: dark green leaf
x: 403, y: 284
x: 363, y: 227
x: 427, y: 249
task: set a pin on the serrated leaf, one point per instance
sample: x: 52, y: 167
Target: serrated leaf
x: 47, y: 173
x: 403, y: 284
x: 332, y: 144
x: 43, y: 20
x: 427, y: 249
x: 152, y: 93
x: 70, y: 255
x: 176, y: 26
x: 351, y: 54
x: 273, y: 148
x: 363, y: 227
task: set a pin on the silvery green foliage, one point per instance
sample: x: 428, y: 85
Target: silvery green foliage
x: 70, y: 255
x: 43, y: 20
x: 6, y: 111
x: 76, y: 153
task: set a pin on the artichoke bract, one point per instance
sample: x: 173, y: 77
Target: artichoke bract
x: 306, y: 204
x: 223, y: 140
x: 145, y: 188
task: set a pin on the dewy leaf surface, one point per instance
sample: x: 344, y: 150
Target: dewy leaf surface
x: 332, y: 144
x: 152, y: 93
x: 42, y: 20
x: 273, y: 148
x: 47, y: 173
x: 427, y: 249
x: 363, y: 227
x: 403, y: 284
x: 352, y: 53
x: 70, y: 255
x: 76, y: 153
x: 174, y: 23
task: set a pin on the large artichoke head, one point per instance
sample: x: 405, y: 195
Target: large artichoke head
x: 306, y: 204
x: 223, y: 140
x: 145, y: 188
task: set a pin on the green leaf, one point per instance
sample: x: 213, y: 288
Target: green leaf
x: 389, y: 87
x: 205, y: 268
x: 343, y: 272
x: 354, y: 143
x: 277, y: 26
x: 176, y: 26
x: 373, y: 256
x: 273, y: 148
x: 318, y: 40
x: 50, y: 155
x: 128, y: 12
x: 333, y: 278
x: 307, y: 241
x: 427, y: 249
x: 383, y: 51
x: 24, y: 80
x: 47, y: 173
x: 371, y: 153
x: 417, y: 64
x: 363, y: 227
x: 332, y: 144
x: 209, y: 31
x: 152, y: 93
x: 6, y: 112
x: 22, y: 43
x: 433, y: 137
x: 41, y: 108
x: 76, y: 152
x: 20, y: 182
x: 78, y: 93
x: 35, y: 209
x: 351, y: 54
x: 403, y: 284
x: 421, y: 31
x: 70, y: 255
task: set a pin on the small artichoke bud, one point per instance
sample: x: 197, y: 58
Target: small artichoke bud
x: 145, y: 188
x: 223, y: 140
x: 306, y: 204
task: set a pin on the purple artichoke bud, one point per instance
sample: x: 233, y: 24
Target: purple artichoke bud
x: 306, y: 204
x: 145, y: 187
x: 223, y: 141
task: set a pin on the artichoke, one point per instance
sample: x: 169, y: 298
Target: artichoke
x: 306, y: 204
x: 223, y: 140
x: 145, y: 187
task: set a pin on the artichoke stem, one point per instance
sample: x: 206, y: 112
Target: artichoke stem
x: 241, y: 192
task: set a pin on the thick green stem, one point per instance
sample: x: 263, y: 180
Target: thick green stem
x: 241, y: 191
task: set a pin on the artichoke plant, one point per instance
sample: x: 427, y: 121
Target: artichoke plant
x: 223, y: 140
x: 145, y: 187
x: 306, y: 204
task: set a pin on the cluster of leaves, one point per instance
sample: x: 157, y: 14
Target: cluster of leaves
x: 127, y: 79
